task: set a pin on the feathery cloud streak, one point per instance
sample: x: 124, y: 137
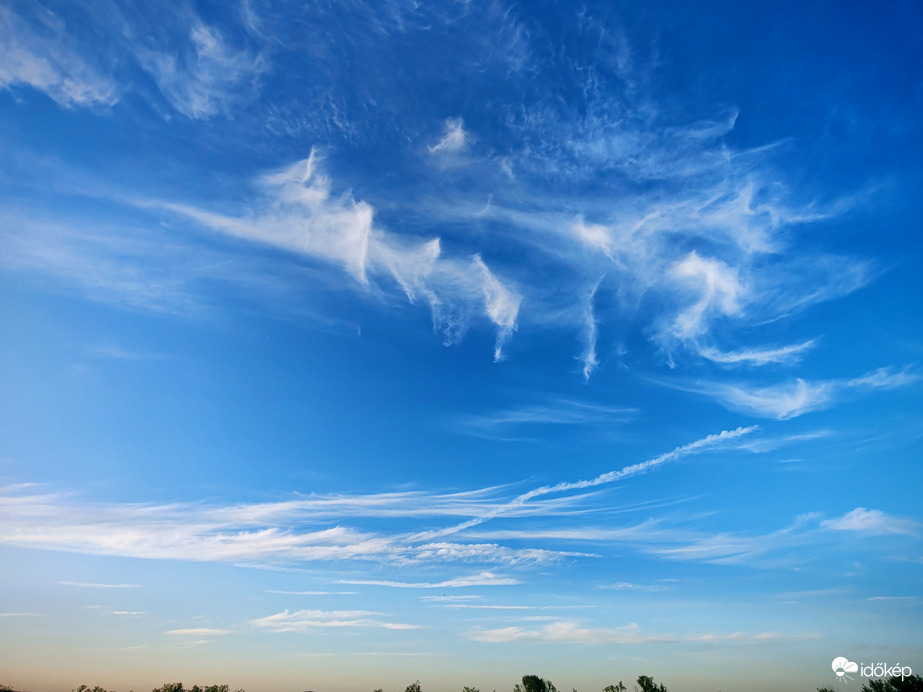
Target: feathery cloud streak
x: 310, y: 529
x: 208, y: 76
x: 90, y: 585
x: 181, y: 532
x: 482, y: 579
x: 549, y: 411
x: 40, y: 54
x: 302, y: 215
x: 304, y: 620
x: 567, y: 632
x: 793, y: 399
x: 203, y: 77
x: 689, y: 233
x: 609, y: 477
x: 455, y: 138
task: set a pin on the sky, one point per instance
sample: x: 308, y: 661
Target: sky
x: 347, y: 344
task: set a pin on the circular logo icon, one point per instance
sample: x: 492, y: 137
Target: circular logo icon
x: 841, y: 666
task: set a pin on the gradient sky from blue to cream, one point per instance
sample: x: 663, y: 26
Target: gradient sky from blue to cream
x: 348, y: 344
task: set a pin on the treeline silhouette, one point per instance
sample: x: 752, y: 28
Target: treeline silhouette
x: 896, y: 683
x: 534, y: 683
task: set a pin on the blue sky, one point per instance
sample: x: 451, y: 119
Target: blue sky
x: 347, y: 344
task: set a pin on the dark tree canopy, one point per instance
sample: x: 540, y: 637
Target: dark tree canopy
x: 647, y: 684
x: 911, y: 683
x: 533, y: 683
x: 178, y: 687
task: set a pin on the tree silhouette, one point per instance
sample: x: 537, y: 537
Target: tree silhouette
x: 168, y: 687
x: 533, y: 683
x: 414, y: 687
x: 647, y: 684
x: 911, y: 683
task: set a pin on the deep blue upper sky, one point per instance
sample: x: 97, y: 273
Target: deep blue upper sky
x: 347, y: 343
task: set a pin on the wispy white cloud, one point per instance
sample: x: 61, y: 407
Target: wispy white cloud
x: 311, y: 529
x: 204, y: 79
x: 783, y: 401
x: 735, y: 275
x: 501, y: 303
x: 628, y: 586
x: 197, y: 632
x: 305, y: 620
x: 594, y: 235
x: 413, y: 503
x: 312, y: 593
x: 884, y: 378
x: 717, y: 291
x: 133, y: 530
x: 724, y: 547
x: 567, y: 632
x: 480, y: 579
x: 130, y: 266
x: 301, y: 214
x: 691, y: 233
x: 769, y: 443
x: 483, y: 606
x: 487, y: 552
x: 710, y: 441
x: 795, y: 398
x: 784, y: 354
x: 455, y: 138
x: 175, y: 532
x: 872, y: 521
x: 271, y: 533
x: 767, y: 548
x: 590, y: 357
x: 40, y: 54
x: 713, y: 441
x: 316, y: 529
x: 813, y: 594
x: 639, y: 532
x: 670, y: 541
x: 683, y: 541
x: 91, y: 585
x: 694, y: 235
x: 23, y: 615
x: 548, y: 411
